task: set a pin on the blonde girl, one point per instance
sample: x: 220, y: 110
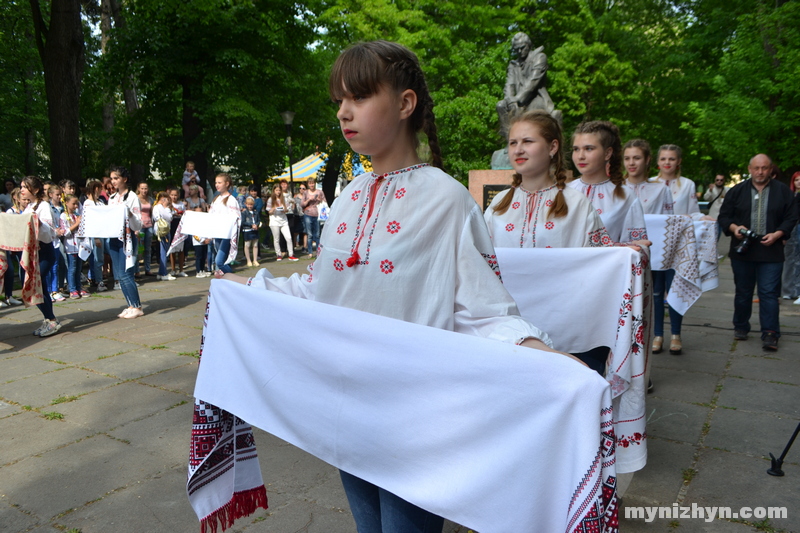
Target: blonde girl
x: 278, y: 210
x: 684, y: 192
x: 162, y: 210
x: 225, y: 203
x: 539, y: 211
x: 70, y: 221
x: 392, y: 248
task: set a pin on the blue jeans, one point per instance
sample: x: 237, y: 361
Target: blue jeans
x: 116, y: 249
x: 376, y: 510
x: 47, y: 258
x: 96, y: 260
x: 74, y: 266
x: 8, y: 277
x: 746, y: 275
x: 662, y: 281
x: 223, y: 247
x: 200, y: 254
x: 211, y: 255
x: 312, y: 230
x: 59, y: 270
x: 147, y: 243
x: 163, y: 246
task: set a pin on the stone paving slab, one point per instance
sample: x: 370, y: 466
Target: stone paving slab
x: 661, y: 480
x: 699, y: 361
x: 28, y: 433
x: 751, y: 486
x: 684, y: 386
x: 180, y: 379
x: 24, y: 366
x: 750, y: 433
x: 132, y: 365
x: 112, y: 407
x: 40, y: 390
x: 165, y: 434
x: 752, y: 395
x: 780, y: 365
x: 676, y: 421
x: 153, y: 333
x: 13, y: 519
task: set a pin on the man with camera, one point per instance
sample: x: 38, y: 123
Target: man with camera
x: 759, y: 215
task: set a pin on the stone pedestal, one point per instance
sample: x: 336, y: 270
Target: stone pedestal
x: 485, y: 184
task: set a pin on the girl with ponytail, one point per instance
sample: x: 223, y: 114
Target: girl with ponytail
x: 597, y: 155
x: 656, y: 198
x: 539, y: 211
x: 404, y: 241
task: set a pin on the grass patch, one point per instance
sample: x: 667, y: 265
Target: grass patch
x: 63, y: 399
x: 196, y: 355
x: 688, y: 474
x: 177, y: 405
x: 726, y: 407
x: 158, y: 347
x: 53, y: 415
x: 54, y: 361
x: 27, y: 408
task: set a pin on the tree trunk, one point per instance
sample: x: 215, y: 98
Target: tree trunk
x: 193, y: 129
x: 108, y: 106
x: 61, y: 48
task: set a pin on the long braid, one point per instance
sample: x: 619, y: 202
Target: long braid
x: 503, y: 205
x: 559, y: 208
x: 608, y: 134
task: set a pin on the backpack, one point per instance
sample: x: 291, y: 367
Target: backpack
x: 162, y: 228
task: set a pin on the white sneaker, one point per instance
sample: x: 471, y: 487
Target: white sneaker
x: 4, y: 303
x: 180, y: 274
x: 116, y: 286
x: 49, y: 327
x: 57, y: 297
x: 796, y: 302
x: 38, y: 330
x: 13, y: 301
x: 101, y: 287
x: 166, y: 278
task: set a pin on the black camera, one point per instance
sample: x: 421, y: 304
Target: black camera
x: 749, y: 236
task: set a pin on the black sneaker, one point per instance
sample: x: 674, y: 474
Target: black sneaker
x: 650, y: 389
x: 740, y: 335
x: 770, y: 342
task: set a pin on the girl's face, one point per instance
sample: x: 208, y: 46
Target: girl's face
x: 26, y: 194
x: 373, y: 124
x: 55, y: 195
x: 529, y: 152
x: 174, y: 196
x: 668, y: 162
x: 118, y: 182
x: 220, y: 184
x: 284, y: 186
x: 10, y: 186
x: 797, y: 183
x: 165, y: 201
x: 69, y: 189
x: 277, y: 191
x: 250, y: 205
x: 71, y: 205
x: 589, y: 156
x: 144, y: 189
x: 634, y: 161
x: 23, y: 202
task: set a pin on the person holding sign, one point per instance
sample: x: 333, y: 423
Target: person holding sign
x: 123, y: 249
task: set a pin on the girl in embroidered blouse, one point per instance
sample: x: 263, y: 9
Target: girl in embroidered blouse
x: 93, y: 198
x: 656, y: 198
x: 538, y: 210
x: 225, y: 202
x: 386, y: 231
x: 119, y: 250
x: 597, y: 154
x: 32, y: 191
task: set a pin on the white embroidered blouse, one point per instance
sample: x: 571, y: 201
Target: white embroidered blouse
x: 623, y: 218
x: 412, y: 245
x: 525, y: 223
x: 134, y: 208
x: 656, y: 198
x: 683, y: 194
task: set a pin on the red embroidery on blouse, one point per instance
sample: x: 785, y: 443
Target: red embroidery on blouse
x: 400, y: 193
x: 355, y: 195
x: 342, y: 228
x: 393, y: 227
x: 509, y: 227
x: 601, y: 195
x: 599, y: 211
x: 338, y: 265
x: 549, y: 203
x: 387, y: 266
x: 549, y: 225
x: 515, y: 205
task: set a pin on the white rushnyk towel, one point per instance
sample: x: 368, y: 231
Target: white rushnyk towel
x: 496, y: 437
x: 589, y: 297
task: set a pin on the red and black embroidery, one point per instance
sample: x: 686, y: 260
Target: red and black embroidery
x: 491, y: 260
x: 400, y: 193
x: 509, y: 227
x: 387, y: 266
x: 549, y: 225
x: 393, y: 227
x: 515, y: 205
x: 338, y: 265
x: 342, y: 228
x: 355, y: 195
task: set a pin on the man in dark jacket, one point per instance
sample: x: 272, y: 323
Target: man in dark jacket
x: 764, y: 207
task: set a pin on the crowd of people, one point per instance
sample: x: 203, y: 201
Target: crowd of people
x: 118, y: 264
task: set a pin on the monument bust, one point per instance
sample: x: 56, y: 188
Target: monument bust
x: 526, y: 83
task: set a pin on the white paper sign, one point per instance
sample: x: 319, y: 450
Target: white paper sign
x: 101, y: 221
x: 208, y: 225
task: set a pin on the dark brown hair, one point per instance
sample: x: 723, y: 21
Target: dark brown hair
x: 608, y: 133
x: 550, y: 130
x: 364, y: 67
x: 33, y: 183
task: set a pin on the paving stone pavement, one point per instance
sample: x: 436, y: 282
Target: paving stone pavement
x: 95, y: 421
